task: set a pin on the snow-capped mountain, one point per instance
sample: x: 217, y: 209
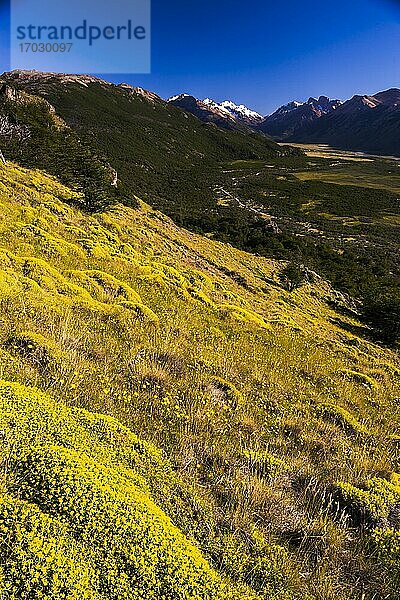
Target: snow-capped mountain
x: 286, y: 108
x: 207, y: 112
x: 240, y: 112
x: 178, y: 97
x: 225, y: 114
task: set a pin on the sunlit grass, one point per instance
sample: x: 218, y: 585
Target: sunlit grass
x: 259, y: 399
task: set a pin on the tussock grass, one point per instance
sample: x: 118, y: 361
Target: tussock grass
x: 258, y: 400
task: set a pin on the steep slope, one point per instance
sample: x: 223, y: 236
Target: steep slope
x: 280, y: 420
x: 364, y: 123
x: 290, y: 118
x: 157, y: 150
x: 32, y: 132
x: 206, y: 111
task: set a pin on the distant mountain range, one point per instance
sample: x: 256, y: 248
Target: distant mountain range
x: 225, y: 114
x: 286, y: 121
x: 364, y: 123
x: 156, y: 127
x: 121, y: 141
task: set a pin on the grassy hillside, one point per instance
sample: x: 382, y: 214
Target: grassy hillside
x: 34, y: 135
x: 271, y: 423
x: 159, y: 152
x: 113, y: 143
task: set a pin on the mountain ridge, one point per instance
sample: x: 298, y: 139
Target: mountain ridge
x: 287, y: 119
x: 317, y: 120
x: 173, y: 149
x: 363, y: 123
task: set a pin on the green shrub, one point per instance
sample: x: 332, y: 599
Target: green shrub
x: 292, y: 276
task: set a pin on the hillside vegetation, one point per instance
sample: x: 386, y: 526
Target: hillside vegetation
x: 158, y: 151
x: 34, y: 135
x: 111, y: 143
x: 250, y: 447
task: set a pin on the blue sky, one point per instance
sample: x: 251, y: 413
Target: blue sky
x: 264, y: 54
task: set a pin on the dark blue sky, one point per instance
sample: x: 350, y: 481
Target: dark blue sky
x: 266, y: 53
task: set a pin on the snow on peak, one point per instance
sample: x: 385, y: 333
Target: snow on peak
x: 240, y: 110
x: 228, y: 109
x: 211, y: 103
x: 178, y: 97
x: 322, y: 104
x: 289, y: 107
x: 237, y: 111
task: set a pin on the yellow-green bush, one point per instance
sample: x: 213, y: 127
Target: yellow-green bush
x: 266, y: 567
x: 9, y: 285
x: 40, y: 558
x: 387, y: 542
x: 245, y: 315
x: 341, y: 417
x: 264, y: 464
x: 140, y: 310
x: 77, y: 522
x: 372, y: 503
x: 361, y: 378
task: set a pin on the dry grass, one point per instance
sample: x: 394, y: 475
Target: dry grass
x: 131, y: 314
